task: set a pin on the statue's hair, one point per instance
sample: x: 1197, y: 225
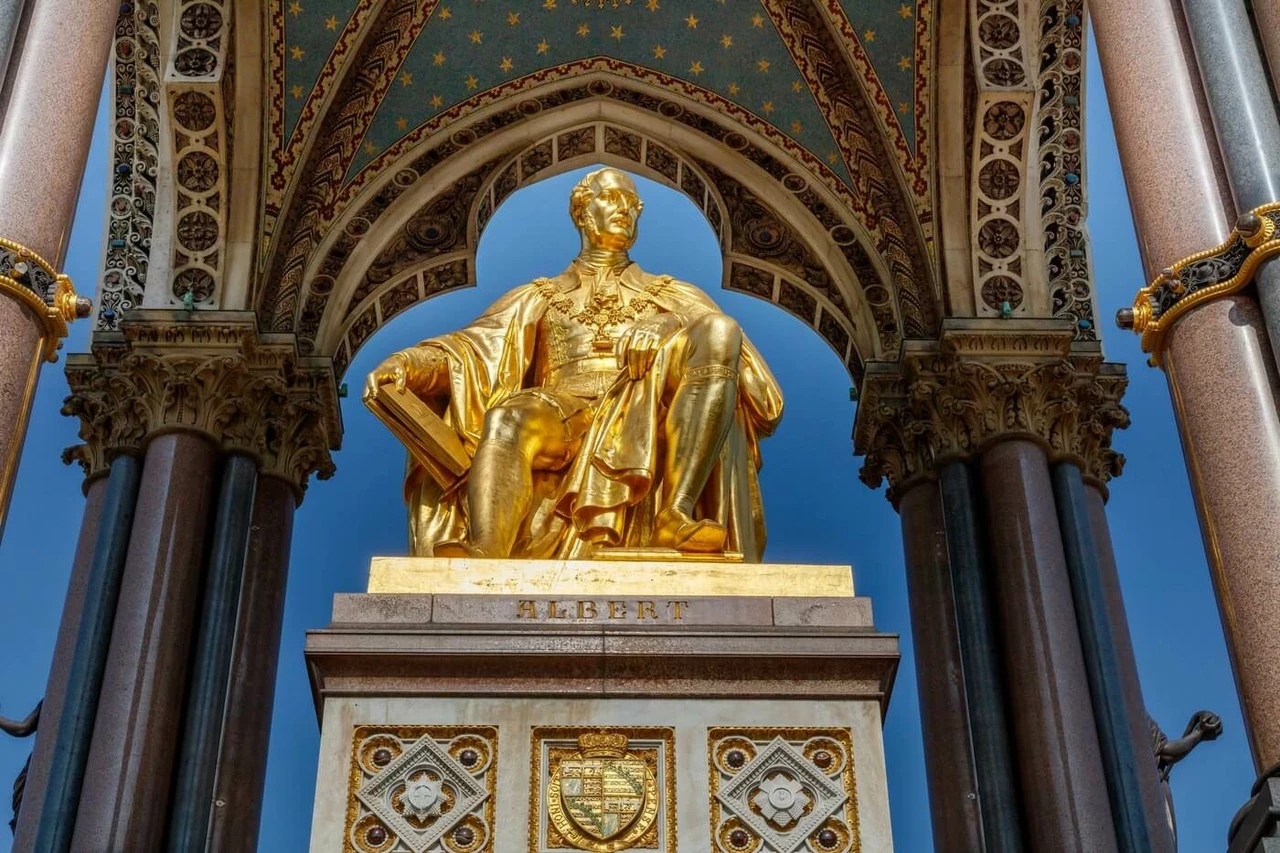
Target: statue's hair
x: 581, y: 195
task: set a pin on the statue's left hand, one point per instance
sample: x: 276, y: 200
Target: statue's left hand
x: 394, y: 369
x: 638, y: 347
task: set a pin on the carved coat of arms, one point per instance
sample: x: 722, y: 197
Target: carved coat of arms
x: 602, y: 799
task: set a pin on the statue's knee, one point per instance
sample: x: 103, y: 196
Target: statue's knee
x: 506, y: 424
x: 720, y: 336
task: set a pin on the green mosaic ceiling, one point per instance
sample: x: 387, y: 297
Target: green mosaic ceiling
x: 729, y: 47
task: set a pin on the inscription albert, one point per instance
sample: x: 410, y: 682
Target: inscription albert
x: 587, y: 610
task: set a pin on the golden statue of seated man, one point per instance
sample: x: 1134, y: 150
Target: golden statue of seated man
x: 605, y: 408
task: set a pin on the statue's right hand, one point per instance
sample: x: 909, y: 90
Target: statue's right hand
x: 394, y: 369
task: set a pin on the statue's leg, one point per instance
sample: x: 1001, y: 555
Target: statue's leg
x: 705, y: 378
x: 521, y: 435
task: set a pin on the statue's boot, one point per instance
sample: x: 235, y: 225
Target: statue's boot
x: 698, y: 422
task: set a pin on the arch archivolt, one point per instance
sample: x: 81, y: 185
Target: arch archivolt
x: 387, y: 257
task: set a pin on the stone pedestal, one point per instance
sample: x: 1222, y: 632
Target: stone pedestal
x: 473, y: 722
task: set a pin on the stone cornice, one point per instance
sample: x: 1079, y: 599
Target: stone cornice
x: 984, y: 382
x: 210, y: 372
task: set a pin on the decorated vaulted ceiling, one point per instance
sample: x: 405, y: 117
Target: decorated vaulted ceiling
x: 372, y: 102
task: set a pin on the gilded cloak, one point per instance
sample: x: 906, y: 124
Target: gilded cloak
x: 612, y: 486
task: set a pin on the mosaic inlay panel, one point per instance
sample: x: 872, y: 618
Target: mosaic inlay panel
x: 602, y: 790
x: 422, y: 789
x: 776, y: 790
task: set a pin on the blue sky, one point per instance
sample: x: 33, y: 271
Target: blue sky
x: 817, y: 509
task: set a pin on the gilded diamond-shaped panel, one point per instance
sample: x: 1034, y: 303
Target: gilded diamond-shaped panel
x: 422, y: 789
x: 782, y: 790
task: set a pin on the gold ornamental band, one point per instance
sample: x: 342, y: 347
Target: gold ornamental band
x: 64, y: 308
x: 1256, y: 230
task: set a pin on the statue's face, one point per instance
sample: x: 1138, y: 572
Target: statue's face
x: 611, y: 218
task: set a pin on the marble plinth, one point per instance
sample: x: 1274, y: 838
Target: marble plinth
x: 710, y: 702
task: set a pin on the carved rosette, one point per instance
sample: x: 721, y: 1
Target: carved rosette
x: 979, y: 385
x: 248, y: 392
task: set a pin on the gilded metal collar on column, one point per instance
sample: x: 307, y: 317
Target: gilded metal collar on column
x: 33, y: 280
x: 1207, y: 275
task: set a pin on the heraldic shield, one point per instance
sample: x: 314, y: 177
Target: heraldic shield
x: 603, y: 799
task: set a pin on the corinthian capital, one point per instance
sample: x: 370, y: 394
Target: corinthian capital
x: 984, y: 382
x: 213, y: 373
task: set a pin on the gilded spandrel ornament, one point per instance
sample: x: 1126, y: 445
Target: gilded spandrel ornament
x: 606, y: 408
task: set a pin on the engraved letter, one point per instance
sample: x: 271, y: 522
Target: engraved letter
x: 554, y: 612
x: 526, y: 610
x: 647, y: 610
x: 617, y: 610
x: 587, y: 610
x: 677, y: 609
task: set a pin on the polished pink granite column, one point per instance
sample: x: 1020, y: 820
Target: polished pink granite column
x: 21, y: 334
x: 1222, y: 376
x: 242, y: 763
x: 1217, y: 357
x: 1267, y: 16
x: 1153, y: 805
x: 55, y: 690
x: 44, y: 141
x: 1064, y: 788
x: 953, y: 786
x: 127, y: 781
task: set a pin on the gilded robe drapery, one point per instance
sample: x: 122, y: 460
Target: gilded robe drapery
x: 610, y: 491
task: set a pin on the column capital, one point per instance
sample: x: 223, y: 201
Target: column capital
x: 985, y: 381
x: 211, y: 372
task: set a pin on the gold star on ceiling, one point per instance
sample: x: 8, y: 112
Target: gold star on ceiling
x: 297, y: 52
x: 833, y: 158
x: 869, y: 35
x: 797, y: 86
x: 763, y: 65
x: 476, y: 37
x: 506, y: 64
x: 406, y: 79
x: 659, y: 52
x: 652, y: 5
x: 437, y: 101
x: 438, y: 59
x: 402, y: 123
x: 904, y: 107
x: 297, y: 92
x: 696, y: 68
x: 726, y: 40
x: 331, y: 22
x: 734, y: 88
x: 905, y: 63
x: 797, y: 127
x: 370, y: 148
x: 757, y: 21
x: 692, y: 22
x: 905, y: 12
x: 471, y: 81
x: 616, y: 33
x: 584, y: 30
x: 543, y: 47
x: 767, y: 107
x: 513, y: 19
x: 445, y: 13
x: 549, y: 4
x: 295, y: 8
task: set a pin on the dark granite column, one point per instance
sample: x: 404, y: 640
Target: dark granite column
x: 1063, y: 784
x: 984, y: 678
x: 211, y: 663
x: 953, y: 787
x: 57, y: 770
x: 140, y: 709
x: 1135, y: 708
x: 1127, y: 761
x: 55, y: 691
x: 242, y: 763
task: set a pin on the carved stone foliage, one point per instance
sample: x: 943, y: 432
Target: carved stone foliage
x: 135, y: 136
x: 1062, y: 184
x: 199, y: 87
x: 422, y: 789
x: 782, y: 790
x: 950, y: 400
x: 248, y: 392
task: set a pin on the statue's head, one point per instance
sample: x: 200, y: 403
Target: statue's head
x: 605, y: 209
